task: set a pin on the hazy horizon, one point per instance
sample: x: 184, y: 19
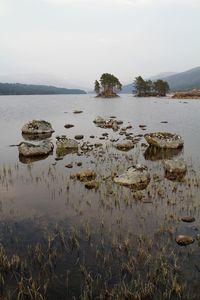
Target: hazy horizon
x: 76, y: 41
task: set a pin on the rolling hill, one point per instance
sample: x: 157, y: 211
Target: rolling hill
x: 32, y: 89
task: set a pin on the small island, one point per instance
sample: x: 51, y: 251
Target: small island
x: 107, y: 86
x: 149, y: 88
x: 191, y: 94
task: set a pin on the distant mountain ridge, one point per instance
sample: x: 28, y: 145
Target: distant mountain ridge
x: 187, y: 80
x: 33, y: 89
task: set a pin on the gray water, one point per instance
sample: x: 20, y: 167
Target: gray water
x: 37, y: 194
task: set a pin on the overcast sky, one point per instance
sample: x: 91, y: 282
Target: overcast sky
x: 80, y: 39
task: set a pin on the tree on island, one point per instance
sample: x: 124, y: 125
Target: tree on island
x: 108, y: 86
x: 147, y: 88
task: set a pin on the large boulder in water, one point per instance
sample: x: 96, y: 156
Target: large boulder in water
x: 174, y: 168
x: 165, y: 140
x: 30, y: 150
x: 136, y: 177
x: 37, y: 127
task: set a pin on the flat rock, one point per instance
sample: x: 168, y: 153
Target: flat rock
x: 77, y: 111
x: 68, y: 125
x: 164, y: 140
x: 124, y: 145
x: 37, y: 127
x: 184, y: 240
x: 30, y: 150
x: 84, y: 175
x: 188, y: 219
x: 136, y: 177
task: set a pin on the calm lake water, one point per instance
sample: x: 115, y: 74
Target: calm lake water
x: 36, y: 197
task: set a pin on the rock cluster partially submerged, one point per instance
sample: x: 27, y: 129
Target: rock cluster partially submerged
x: 31, y: 150
x: 164, y: 140
x: 84, y: 175
x: 136, y: 177
x: 37, y: 127
x: 107, y: 123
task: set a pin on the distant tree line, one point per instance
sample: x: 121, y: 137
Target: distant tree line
x: 147, y: 88
x: 32, y: 89
x: 107, y: 86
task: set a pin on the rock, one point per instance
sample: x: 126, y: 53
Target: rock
x: 164, y: 140
x: 164, y: 122
x: 136, y: 177
x: 188, y: 219
x: 84, y: 175
x: 92, y: 185
x: 184, y: 240
x: 125, y: 145
x: 77, y: 111
x: 119, y: 122
x: 92, y: 136
x: 68, y: 125
x: 105, y: 134
x: 99, y: 120
x: 142, y: 126
x: 65, y: 143
x: 79, y: 164
x: 174, y: 168
x: 37, y: 127
x: 69, y: 166
x: 41, y: 149
x: 115, y: 126
x: 79, y: 137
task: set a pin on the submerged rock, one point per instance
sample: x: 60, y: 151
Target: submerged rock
x: 84, y: 175
x: 37, y: 127
x: 136, y: 177
x: 41, y: 149
x: 188, y: 219
x: 77, y: 111
x: 164, y: 140
x: 125, y: 145
x: 68, y: 126
x: 184, y: 240
x: 174, y: 168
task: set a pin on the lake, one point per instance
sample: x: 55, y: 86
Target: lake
x: 60, y: 240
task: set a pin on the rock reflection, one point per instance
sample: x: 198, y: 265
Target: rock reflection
x: 154, y: 153
x: 29, y: 160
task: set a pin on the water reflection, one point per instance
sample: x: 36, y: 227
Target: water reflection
x: 29, y: 160
x: 154, y: 153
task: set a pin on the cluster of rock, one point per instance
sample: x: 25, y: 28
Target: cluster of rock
x: 108, y: 123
